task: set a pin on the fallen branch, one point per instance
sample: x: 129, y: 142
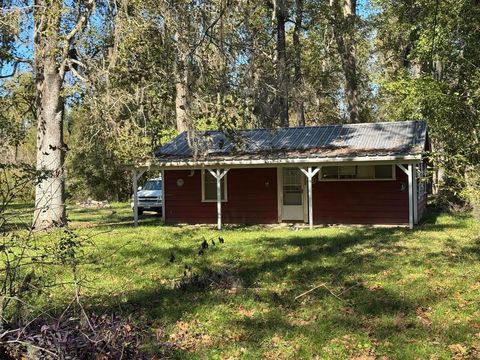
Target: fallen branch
x: 324, y: 285
x: 28, y: 344
x: 309, y: 291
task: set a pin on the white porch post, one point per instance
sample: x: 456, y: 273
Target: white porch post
x: 135, y: 199
x: 414, y: 194
x: 163, y: 197
x: 410, y: 175
x: 219, y: 174
x: 410, y: 195
x: 309, y: 173
x: 136, y: 176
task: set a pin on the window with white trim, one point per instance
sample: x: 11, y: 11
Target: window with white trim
x: 209, y: 187
x: 357, y: 172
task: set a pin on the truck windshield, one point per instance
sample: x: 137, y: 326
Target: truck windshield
x: 152, y: 185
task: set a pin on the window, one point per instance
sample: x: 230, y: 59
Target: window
x: 152, y: 185
x: 329, y: 172
x: 358, y: 172
x: 209, y: 187
x: 347, y: 172
x: 366, y: 172
x: 383, y: 171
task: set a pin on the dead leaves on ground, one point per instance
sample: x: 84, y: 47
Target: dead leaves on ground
x: 189, y: 335
x: 281, y: 349
x: 193, y: 335
x: 245, y: 312
x: 463, y: 352
x: 424, y: 316
x: 348, y: 346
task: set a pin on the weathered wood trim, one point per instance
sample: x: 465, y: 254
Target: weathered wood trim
x: 213, y: 164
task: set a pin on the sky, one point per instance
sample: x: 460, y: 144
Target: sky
x: 24, y: 48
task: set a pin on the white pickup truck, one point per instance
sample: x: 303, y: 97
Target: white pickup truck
x: 150, y: 196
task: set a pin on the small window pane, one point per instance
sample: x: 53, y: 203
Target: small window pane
x: 366, y: 172
x: 330, y: 172
x: 383, y: 172
x: 210, y: 187
x: 347, y: 172
x: 292, y: 176
x: 292, y: 195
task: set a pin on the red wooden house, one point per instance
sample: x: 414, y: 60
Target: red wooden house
x: 333, y: 174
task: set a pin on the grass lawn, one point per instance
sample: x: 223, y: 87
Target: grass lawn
x: 387, y: 292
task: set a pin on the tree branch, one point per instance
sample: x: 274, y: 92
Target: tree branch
x: 16, y: 62
x: 205, y: 33
x: 14, y: 71
x: 79, y: 26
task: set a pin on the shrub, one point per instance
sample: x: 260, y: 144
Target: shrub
x: 471, y: 192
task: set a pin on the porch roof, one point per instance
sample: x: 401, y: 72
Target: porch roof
x: 383, y: 141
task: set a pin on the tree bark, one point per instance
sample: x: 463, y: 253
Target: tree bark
x: 182, y: 95
x: 297, y: 64
x: 177, y: 19
x: 50, y: 189
x: 280, y: 8
x: 51, y: 48
x: 344, y: 31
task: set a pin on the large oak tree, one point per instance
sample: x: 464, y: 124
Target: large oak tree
x: 56, y: 26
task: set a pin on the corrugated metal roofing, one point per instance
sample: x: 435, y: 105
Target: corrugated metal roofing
x: 368, y: 139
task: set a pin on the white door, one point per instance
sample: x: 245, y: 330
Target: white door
x: 292, y: 194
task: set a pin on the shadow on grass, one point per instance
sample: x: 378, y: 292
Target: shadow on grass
x: 112, y: 219
x: 473, y: 250
x: 429, y: 220
x: 345, y: 261
x: 12, y: 207
x: 336, y: 260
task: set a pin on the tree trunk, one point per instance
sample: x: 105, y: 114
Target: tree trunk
x: 282, y: 75
x: 50, y: 190
x: 179, y: 20
x: 50, y: 187
x: 182, y: 98
x: 344, y: 30
x: 51, y: 48
x: 351, y: 84
x: 297, y: 64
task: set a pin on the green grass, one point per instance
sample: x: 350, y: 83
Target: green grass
x: 388, y: 291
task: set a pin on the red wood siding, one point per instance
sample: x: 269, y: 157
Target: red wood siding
x: 250, y: 199
x: 361, y: 202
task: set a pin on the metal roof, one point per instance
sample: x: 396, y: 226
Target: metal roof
x: 326, y: 141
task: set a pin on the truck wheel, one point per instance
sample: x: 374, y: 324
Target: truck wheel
x: 140, y: 211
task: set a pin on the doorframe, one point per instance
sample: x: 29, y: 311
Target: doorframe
x: 280, y: 194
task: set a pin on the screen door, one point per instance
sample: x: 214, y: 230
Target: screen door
x: 293, y: 194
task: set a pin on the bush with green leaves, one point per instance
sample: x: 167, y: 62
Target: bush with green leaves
x: 471, y: 192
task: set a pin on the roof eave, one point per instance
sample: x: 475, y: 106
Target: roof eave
x: 233, y: 163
